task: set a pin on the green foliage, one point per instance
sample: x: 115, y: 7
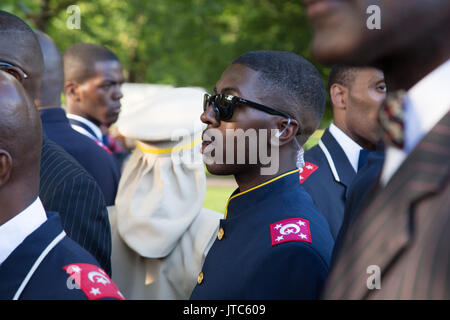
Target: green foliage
x: 178, y: 42
x: 216, y: 198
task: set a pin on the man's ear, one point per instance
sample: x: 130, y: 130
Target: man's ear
x: 338, y: 96
x: 6, y: 164
x: 72, y: 91
x: 287, y: 130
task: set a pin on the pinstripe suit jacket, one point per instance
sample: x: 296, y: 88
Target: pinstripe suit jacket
x: 404, y: 231
x: 68, y: 189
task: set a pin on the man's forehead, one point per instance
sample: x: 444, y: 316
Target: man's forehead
x: 369, y: 74
x: 108, y: 68
x: 238, y: 78
x: 23, y: 52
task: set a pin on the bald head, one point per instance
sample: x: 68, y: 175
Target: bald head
x: 20, y: 136
x: 20, y: 47
x: 53, y: 77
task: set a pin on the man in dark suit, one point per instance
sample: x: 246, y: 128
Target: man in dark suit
x: 97, y: 161
x: 398, y: 246
x: 92, y: 79
x: 36, y: 256
x: 359, y: 193
x: 355, y: 94
x: 65, y: 187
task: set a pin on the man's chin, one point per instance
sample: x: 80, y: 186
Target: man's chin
x: 220, y: 169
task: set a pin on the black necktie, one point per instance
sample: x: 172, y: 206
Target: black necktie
x: 363, y: 155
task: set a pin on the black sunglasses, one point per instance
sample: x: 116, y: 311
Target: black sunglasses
x: 16, y: 72
x: 224, y: 105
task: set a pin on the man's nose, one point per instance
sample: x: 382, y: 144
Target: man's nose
x: 117, y: 94
x: 209, y: 117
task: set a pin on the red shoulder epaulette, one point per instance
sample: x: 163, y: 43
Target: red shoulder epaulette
x: 94, y: 282
x: 308, y: 169
x: 294, y: 229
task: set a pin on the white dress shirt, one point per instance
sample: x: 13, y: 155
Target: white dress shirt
x: 98, y: 133
x: 425, y: 104
x: 14, y: 231
x: 350, y: 147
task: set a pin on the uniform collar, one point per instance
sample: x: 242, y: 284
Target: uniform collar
x: 16, y: 267
x: 53, y: 115
x: 350, y: 147
x: 260, y: 192
x: 338, y: 161
x: 98, y: 133
x: 15, y: 230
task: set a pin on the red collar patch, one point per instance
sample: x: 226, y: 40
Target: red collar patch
x: 308, y: 169
x: 94, y: 282
x: 295, y: 229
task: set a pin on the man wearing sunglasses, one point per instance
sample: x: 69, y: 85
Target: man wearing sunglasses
x: 65, y: 186
x: 272, y: 242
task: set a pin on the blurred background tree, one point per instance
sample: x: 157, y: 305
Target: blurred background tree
x: 177, y: 42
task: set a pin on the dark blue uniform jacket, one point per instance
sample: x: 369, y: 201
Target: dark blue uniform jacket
x: 245, y: 264
x: 50, y: 280
x: 328, y: 185
x: 360, y: 192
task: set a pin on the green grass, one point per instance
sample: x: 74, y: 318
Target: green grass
x: 216, y: 198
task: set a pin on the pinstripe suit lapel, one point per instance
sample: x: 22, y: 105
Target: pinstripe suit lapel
x: 382, y: 232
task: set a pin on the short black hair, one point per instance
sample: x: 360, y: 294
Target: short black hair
x: 294, y: 78
x: 80, y: 59
x: 342, y: 74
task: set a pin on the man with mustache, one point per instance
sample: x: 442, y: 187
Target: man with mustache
x: 92, y: 79
x: 402, y: 230
x: 272, y: 242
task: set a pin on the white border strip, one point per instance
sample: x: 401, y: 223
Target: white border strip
x: 37, y: 263
x: 330, y: 161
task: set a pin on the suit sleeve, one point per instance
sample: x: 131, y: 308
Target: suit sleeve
x: 291, y: 271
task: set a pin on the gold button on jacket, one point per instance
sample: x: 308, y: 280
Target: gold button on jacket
x: 220, y: 234
x: 200, y: 278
